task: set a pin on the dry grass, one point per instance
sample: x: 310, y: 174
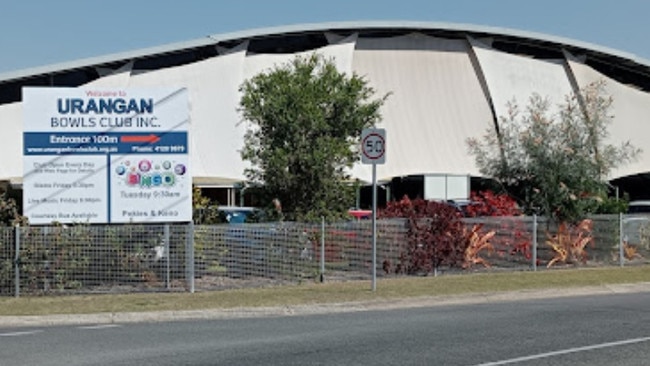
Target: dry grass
x: 325, y: 293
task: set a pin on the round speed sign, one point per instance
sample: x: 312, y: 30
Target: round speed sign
x: 373, y: 146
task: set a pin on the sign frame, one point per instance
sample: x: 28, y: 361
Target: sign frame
x: 106, y: 155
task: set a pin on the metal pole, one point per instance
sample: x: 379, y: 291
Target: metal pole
x: 167, y: 256
x: 241, y: 196
x: 358, y: 197
x: 189, y: 249
x: 535, y: 242
x: 621, y: 242
x: 322, y: 249
x: 17, y: 262
x: 374, y: 227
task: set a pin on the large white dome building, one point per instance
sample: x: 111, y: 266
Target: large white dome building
x: 447, y: 82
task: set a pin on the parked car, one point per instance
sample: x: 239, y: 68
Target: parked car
x: 463, y: 206
x: 360, y: 214
x: 638, y: 207
x: 239, y: 215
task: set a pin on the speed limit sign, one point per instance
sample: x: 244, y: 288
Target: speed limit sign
x: 373, y: 146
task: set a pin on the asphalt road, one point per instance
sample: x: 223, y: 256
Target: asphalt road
x: 612, y: 329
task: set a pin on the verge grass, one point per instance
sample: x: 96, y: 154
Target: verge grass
x: 315, y: 293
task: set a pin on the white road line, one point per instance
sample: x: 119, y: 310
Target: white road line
x: 566, y: 351
x: 18, y: 334
x: 99, y: 326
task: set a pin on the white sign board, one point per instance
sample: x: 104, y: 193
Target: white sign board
x: 446, y: 187
x: 373, y: 146
x: 106, y: 156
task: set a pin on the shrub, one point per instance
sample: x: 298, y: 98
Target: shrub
x: 477, y: 242
x: 10, y: 210
x: 569, y: 243
x: 435, y: 235
x: 488, y: 203
x: 54, y: 258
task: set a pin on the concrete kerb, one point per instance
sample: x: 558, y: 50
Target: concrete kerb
x: 297, y: 310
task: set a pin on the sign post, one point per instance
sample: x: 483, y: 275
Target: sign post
x: 373, y: 151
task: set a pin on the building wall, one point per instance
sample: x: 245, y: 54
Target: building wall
x: 442, y: 91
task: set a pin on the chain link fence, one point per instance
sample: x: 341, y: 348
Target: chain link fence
x: 50, y: 260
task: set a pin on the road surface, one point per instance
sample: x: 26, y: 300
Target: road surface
x: 593, y: 330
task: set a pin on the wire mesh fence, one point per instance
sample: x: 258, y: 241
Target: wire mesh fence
x: 7, y: 261
x: 228, y: 256
x: 94, y: 259
x: 241, y: 255
x: 511, y: 241
x: 46, y: 260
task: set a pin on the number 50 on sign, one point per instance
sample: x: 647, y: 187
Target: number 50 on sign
x: 373, y: 146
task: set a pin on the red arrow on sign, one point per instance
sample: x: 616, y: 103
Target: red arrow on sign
x: 152, y: 139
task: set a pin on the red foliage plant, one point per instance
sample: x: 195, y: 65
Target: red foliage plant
x: 435, y: 235
x: 487, y: 203
x: 514, y: 238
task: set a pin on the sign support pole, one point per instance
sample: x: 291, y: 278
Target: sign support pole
x: 374, y: 227
x: 373, y: 151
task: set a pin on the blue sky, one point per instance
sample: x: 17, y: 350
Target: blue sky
x: 36, y: 33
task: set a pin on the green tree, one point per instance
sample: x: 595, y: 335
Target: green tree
x: 305, y: 120
x: 555, y: 164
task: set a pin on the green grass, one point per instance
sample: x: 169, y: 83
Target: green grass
x: 312, y: 293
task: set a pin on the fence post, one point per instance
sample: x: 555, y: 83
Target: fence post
x: 189, y: 257
x: 322, y: 249
x: 621, y: 242
x: 17, y: 261
x: 534, y: 242
x: 167, y: 257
